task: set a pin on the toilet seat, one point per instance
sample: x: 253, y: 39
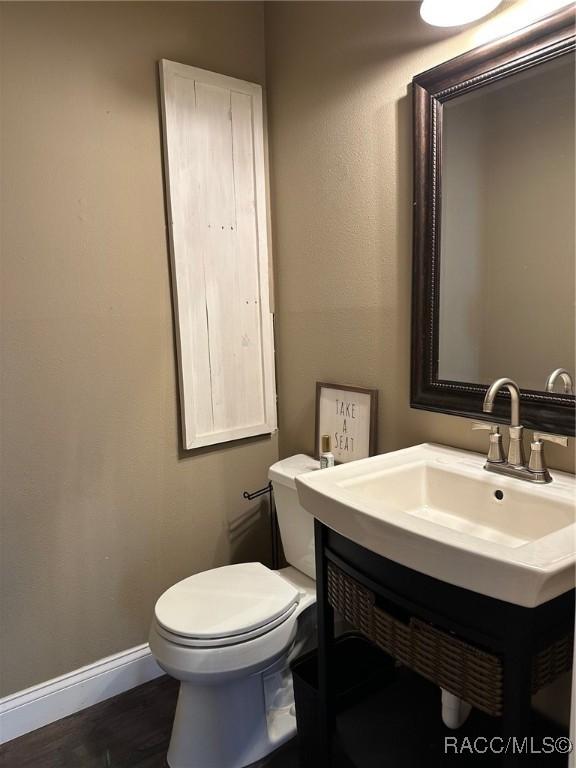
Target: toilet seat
x: 222, y: 642
x: 225, y: 606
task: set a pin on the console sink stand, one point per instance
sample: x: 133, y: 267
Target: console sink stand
x: 515, y: 636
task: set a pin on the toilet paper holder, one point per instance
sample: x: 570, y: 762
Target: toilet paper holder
x: 274, y: 532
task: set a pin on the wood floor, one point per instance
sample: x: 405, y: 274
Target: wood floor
x: 398, y: 727
x: 129, y: 731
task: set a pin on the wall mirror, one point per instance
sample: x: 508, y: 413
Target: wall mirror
x: 494, y: 280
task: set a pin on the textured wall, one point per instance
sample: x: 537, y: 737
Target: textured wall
x: 99, y: 512
x: 340, y: 136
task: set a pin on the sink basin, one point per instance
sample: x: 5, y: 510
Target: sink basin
x: 436, y: 510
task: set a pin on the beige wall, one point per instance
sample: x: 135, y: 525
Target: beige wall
x: 100, y: 513
x: 340, y: 136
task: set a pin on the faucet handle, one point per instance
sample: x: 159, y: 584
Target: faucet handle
x: 537, y: 463
x: 494, y: 428
x: 547, y: 438
x: 495, y: 451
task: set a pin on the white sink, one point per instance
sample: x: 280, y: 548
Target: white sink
x: 436, y: 510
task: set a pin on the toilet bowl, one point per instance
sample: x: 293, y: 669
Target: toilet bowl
x: 228, y: 635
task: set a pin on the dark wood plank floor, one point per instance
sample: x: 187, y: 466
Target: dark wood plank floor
x: 398, y: 727
x: 129, y: 731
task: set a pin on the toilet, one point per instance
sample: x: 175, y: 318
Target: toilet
x: 228, y: 635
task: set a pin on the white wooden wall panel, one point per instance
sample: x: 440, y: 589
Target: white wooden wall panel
x: 214, y: 158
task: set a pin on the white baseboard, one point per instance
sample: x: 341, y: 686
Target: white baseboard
x: 47, y: 702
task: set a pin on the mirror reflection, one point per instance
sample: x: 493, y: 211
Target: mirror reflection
x: 507, y: 251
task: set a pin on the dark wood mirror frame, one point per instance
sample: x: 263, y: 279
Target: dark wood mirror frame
x: 547, y: 39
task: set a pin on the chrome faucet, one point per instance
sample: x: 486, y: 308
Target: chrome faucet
x: 567, y: 381
x: 514, y: 465
x: 516, y: 448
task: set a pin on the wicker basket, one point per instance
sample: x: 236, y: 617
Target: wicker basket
x: 468, y: 672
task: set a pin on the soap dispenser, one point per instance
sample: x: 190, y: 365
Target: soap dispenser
x: 326, y: 457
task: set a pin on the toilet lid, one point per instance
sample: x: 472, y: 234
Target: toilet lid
x: 227, y: 601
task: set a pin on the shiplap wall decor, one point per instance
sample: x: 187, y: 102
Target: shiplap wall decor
x: 215, y: 182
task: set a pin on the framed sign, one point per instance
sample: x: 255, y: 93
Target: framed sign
x: 348, y: 415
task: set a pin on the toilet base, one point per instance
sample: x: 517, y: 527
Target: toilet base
x: 234, y: 724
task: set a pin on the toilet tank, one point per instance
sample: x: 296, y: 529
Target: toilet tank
x: 296, y: 525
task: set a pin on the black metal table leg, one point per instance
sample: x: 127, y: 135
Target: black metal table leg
x: 517, y: 695
x: 325, y: 614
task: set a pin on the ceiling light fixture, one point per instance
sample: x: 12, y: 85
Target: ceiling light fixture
x: 454, y: 13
